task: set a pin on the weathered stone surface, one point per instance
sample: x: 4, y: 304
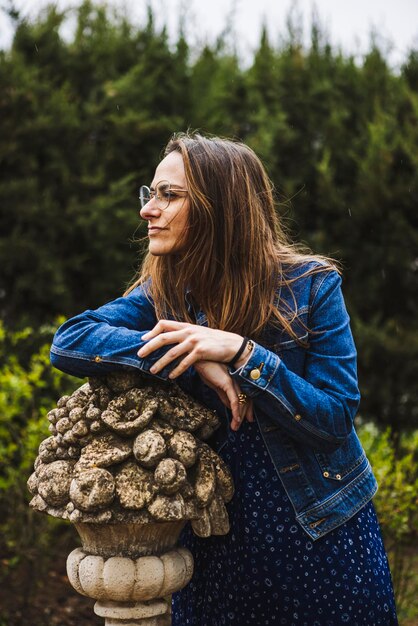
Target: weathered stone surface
x: 130, y: 590
x: 32, y: 484
x: 183, y: 447
x: 202, y: 525
x: 135, y: 486
x: 91, y: 517
x: 167, y: 508
x: 205, y: 483
x: 219, y: 520
x: 92, y: 489
x: 149, y: 448
x: 80, y: 429
x: 164, y: 428
x: 124, y: 449
x: 103, y: 451
x: 170, y: 475
x: 224, y: 482
x: 39, y: 503
x: 47, y: 450
x: 119, y: 382
x: 76, y: 414
x: 93, y: 413
x: 130, y: 412
x: 54, y: 482
x: 62, y: 401
x: 184, y: 413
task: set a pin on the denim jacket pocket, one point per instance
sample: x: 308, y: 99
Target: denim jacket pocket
x: 344, y: 461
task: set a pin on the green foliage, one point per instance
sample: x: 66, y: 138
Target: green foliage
x: 396, y: 501
x: 29, y: 388
x: 397, y: 475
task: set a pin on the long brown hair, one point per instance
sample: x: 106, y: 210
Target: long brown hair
x: 235, y: 247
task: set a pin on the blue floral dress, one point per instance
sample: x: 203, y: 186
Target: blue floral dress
x: 268, y: 571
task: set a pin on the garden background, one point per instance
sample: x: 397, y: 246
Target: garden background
x: 83, y: 121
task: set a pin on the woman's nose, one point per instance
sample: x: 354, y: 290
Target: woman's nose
x: 150, y: 209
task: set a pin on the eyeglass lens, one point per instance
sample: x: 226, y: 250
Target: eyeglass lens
x: 162, y: 195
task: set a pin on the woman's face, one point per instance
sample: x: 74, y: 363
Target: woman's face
x: 167, y: 225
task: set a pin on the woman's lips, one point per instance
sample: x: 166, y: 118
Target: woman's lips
x: 152, y: 230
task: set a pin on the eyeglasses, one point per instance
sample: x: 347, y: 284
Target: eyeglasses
x: 163, y: 193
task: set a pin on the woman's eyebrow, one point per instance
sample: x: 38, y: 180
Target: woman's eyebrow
x: 171, y: 185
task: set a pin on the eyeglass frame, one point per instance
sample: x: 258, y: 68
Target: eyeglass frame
x: 152, y: 193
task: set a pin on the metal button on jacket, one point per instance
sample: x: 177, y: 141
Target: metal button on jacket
x: 255, y: 374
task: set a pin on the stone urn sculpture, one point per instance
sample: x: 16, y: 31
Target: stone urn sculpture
x: 126, y: 462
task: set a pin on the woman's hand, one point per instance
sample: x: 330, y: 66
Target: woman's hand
x: 216, y: 376
x: 193, y: 343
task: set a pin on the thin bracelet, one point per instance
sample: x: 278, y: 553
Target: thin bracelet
x: 245, y: 341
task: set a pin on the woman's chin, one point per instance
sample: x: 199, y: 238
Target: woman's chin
x: 158, y: 249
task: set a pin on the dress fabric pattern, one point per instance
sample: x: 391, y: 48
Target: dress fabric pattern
x: 267, y: 571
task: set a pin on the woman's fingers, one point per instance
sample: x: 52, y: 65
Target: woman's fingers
x: 162, y: 327
x: 181, y: 367
x: 249, y: 413
x: 217, y: 377
x: 177, y: 352
x: 207, y: 343
x: 234, y: 406
x: 242, y: 400
x: 223, y: 398
x: 162, y: 339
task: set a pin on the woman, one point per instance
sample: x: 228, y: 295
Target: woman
x: 259, y: 332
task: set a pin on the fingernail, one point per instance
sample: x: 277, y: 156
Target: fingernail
x: 153, y: 369
x: 145, y: 336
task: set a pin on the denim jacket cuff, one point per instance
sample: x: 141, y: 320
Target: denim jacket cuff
x: 255, y: 375
x: 145, y: 365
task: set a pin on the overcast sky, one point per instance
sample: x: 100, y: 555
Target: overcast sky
x: 347, y: 22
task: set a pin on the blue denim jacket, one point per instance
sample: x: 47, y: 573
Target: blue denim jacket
x: 305, y: 399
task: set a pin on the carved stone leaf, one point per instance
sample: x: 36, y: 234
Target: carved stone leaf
x: 201, y: 526
x: 219, y: 520
x: 205, y: 481
x: 224, y: 481
x: 104, y: 451
x: 167, y: 508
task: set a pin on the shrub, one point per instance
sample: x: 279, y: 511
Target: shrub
x: 29, y: 387
x: 396, y: 470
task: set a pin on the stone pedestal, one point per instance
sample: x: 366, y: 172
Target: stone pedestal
x: 126, y: 463
x: 133, y: 590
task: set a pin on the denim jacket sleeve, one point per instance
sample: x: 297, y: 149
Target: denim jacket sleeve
x: 99, y: 341
x: 317, y: 409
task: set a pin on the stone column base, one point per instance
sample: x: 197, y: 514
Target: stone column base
x: 129, y: 591
x: 154, y: 613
